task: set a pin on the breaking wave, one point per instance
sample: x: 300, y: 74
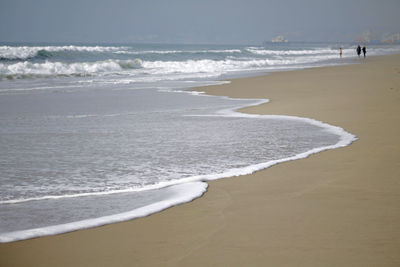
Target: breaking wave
x: 162, y: 52
x: 29, y: 69
x: 29, y: 52
x: 164, y: 62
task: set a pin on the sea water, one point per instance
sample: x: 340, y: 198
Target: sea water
x: 91, y: 134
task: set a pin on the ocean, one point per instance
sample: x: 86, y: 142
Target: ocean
x: 96, y: 134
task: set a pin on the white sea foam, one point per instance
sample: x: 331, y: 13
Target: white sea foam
x: 345, y: 139
x: 162, y: 52
x: 187, y: 189
x: 60, y: 68
x: 26, y: 52
x: 213, y: 66
x: 10, y: 90
x: 262, y: 51
x: 141, y: 69
x: 200, y: 67
x: 180, y: 194
x: 383, y: 50
x: 347, y: 52
x: 165, y: 71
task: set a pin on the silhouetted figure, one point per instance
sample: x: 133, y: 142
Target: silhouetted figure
x: 364, y: 49
x: 358, y: 51
x: 340, y: 52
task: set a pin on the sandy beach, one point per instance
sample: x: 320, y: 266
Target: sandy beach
x: 336, y: 208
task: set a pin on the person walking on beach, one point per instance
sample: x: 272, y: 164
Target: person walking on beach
x: 340, y: 52
x: 358, y: 51
x: 364, y: 49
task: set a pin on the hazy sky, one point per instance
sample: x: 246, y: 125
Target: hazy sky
x: 190, y: 21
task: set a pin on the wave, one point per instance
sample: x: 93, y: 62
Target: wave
x: 264, y: 52
x: 29, y: 52
x: 256, y: 59
x: 227, y: 65
x: 162, y: 52
x: 134, y: 67
x: 320, y: 51
x: 28, y: 69
x: 383, y: 50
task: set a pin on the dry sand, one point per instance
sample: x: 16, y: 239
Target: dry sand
x: 336, y: 208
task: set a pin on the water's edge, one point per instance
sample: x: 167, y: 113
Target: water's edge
x: 188, y: 189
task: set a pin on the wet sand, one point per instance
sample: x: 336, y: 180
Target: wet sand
x: 336, y: 208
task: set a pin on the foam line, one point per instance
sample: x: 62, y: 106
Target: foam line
x: 182, y: 193
x: 186, y: 189
x: 345, y: 139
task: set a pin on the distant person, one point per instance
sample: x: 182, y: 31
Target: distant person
x: 358, y: 51
x: 340, y: 52
x: 364, y: 49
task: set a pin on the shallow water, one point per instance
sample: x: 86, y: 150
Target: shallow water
x: 115, y: 144
x: 73, y: 152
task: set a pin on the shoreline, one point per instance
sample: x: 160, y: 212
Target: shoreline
x: 198, y: 183
x: 267, y: 219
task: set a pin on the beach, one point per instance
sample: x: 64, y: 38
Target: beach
x: 336, y: 208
